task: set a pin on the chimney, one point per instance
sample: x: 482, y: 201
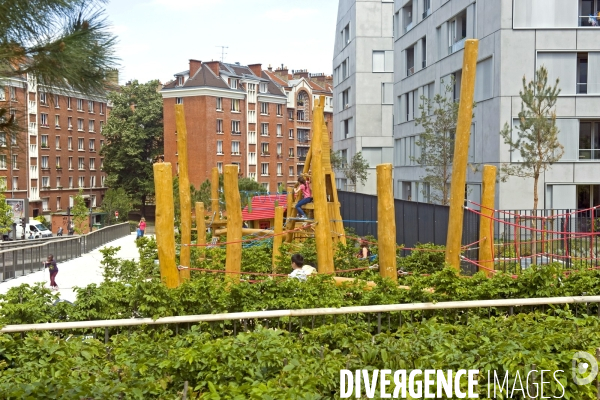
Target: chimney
x: 302, y: 73
x: 256, y: 69
x: 214, y: 66
x: 270, y: 68
x: 329, y: 79
x: 282, y: 73
x: 195, y: 65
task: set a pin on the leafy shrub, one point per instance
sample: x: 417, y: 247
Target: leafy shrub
x: 425, y: 259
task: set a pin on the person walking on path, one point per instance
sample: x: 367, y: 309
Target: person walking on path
x: 142, y: 226
x: 53, y: 268
x: 304, y: 187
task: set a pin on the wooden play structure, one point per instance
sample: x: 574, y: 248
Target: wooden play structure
x: 325, y: 223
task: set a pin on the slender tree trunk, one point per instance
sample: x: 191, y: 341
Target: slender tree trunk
x: 536, y: 178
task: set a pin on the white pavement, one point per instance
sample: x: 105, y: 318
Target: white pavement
x: 78, y: 272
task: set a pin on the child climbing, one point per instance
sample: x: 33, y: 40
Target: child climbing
x: 304, y: 187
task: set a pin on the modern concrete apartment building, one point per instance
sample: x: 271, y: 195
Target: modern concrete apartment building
x: 363, y: 64
x: 236, y: 114
x: 57, y: 149
x: 515, y: 38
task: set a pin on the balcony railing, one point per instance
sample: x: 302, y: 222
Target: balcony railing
x: 410, y: 71
x: 589, y: 20
x: 459, y: 45
x: 409, y: 26
x: 426, y: 13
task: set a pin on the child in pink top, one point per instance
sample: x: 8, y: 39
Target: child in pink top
x: 142, y: 226
x: 303, y: 187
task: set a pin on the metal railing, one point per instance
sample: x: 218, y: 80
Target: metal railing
x: 376, y: 316
x: 25, y: 257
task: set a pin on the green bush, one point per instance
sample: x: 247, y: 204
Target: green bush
x: 425, y: 259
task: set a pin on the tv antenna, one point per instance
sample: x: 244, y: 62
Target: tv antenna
x: 223, y: 52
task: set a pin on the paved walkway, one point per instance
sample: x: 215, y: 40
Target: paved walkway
x: 78, y: 272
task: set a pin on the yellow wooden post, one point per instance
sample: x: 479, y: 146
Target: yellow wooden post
x: 386, y: 222
x: 201, y: 227
x: 321, y: 212
x: 214, y: 192
x: 486, y: 222
x: 291, y: 213
x: 185, y: 197
x: 233, y: 263
x: 461, y: 152
x: 278, y: 238
x: 165, y: 229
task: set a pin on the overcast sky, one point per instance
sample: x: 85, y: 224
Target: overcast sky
x: 158, y: 37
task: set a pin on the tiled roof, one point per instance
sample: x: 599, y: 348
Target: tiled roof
x: 272, y: 87
x: 204, y: 77
x: 276, y: 79
x: 263, y: 207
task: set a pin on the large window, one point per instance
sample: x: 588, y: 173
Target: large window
x: 588, y: 12
x: 264, y: 108
x: 589, y: 140
x: 345, y: 35
x: 345, y: 103
x: 235, y: 127
x: 582, y: 73
x: 383, y: 61
x: 235, y: 148
x: 264, y: 169
x: 235, y: 105
x: 410, y: 60
x: 457, y: 32
x: 264, y: 129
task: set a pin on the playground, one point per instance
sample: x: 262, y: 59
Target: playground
x: 208, y: 309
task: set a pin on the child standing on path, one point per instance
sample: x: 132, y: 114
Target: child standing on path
x: 303, y: 187
x: 142, y: 226
x: 53, y: 268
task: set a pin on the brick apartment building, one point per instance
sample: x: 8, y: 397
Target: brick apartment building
x: 259, y: 120
x: 56, y: 151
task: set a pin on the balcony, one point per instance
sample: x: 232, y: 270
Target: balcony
x: 457, y: 46
x: 301, y: 158
x: 236, y: 133
x: 410, y: 71
x: 426, y: 13
x: 409, y: 26
x: 32, y: 106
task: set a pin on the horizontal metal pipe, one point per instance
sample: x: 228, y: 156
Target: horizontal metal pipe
x: 300, y: 313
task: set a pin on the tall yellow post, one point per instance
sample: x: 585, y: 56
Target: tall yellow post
x: 165, y: 228
x: 233, y: 263
x: 201, y: 226
x: 214, y: 192
x: 461, y: 152
x: 185, y: 197
x: 291, y: 213
x: 386, y: 222
x: 278, y: 238
x: 322, y: 229
x: 486, y: 223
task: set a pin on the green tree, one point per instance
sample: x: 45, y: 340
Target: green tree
x: 438, y: 119
x: 537, y: 134
x: 116, y: 200
x: 6, y: 213
x: 58, y: 43
x: 355, y: 170
x: 80, y: 212
x: 134, y: 138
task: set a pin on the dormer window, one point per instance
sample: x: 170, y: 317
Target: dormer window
x: 263, y: 88
x: 233, y: 83
x: 180, y: 81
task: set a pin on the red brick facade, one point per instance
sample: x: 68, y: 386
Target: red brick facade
x: 58, y: 147
x: 262, y: 147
